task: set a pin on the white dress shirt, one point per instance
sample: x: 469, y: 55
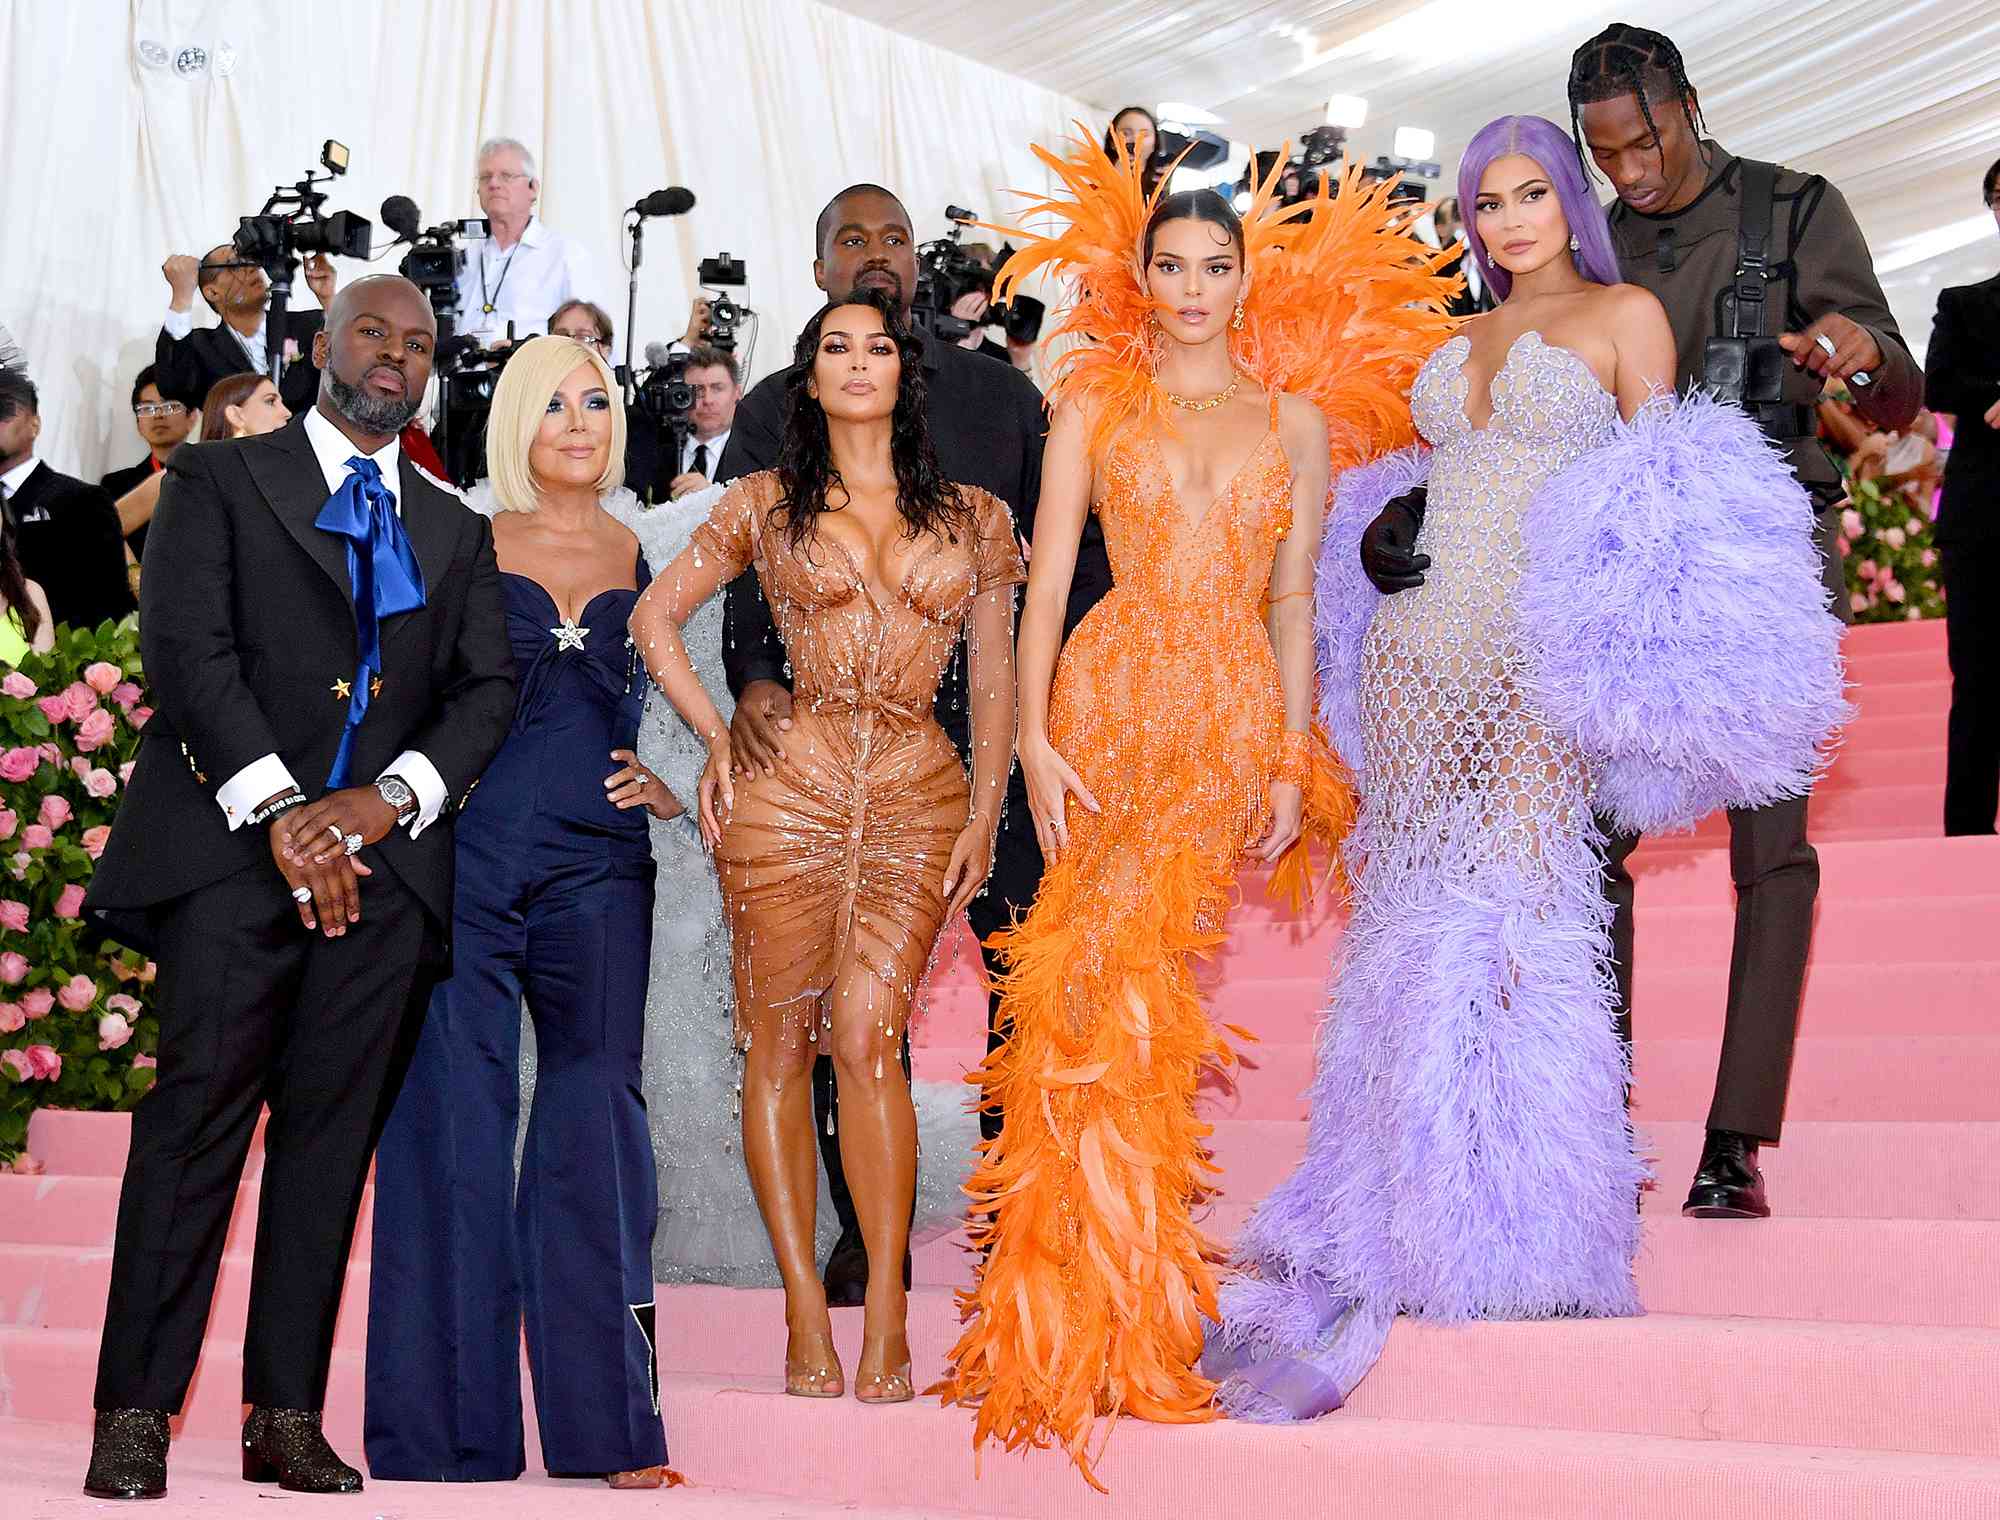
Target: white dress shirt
x: 14, y: 479
x: 714, y: 445
x: 268, y: 776
x: 178, y: 324
x: 523, y: 284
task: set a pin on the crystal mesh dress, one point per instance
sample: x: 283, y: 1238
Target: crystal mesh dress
x: 1469, y: 1154
x: 1167, y: 701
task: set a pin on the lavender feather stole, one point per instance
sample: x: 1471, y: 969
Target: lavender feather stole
x: 1469, y: 1155
x: 1675, y: 602
x: 1343, y: 599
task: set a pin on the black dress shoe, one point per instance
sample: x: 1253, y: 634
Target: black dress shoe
x: 287, y: 1447
x: 1727, y: 1184
x: 846, y: 1276
x: 128, y: 1455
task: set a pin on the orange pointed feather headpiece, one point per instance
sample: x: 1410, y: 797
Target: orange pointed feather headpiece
x: 1344, y: 305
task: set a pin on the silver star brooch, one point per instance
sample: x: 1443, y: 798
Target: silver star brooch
x: 568, y: 635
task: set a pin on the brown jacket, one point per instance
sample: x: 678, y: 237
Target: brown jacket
x: 1822, y: 265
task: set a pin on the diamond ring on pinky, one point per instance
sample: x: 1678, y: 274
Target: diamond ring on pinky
x: 352, y: 844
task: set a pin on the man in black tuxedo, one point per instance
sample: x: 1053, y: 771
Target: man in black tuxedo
x: 1962, y: 377
x: 190, y: 359
x: 321, y: 619
x: 66, y: 529
x: 988, y: 421
x: 164, y: 425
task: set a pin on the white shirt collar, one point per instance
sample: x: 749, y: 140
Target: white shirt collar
x: 333, y: 448
x: 713, y: 445
x: 533, y: 235
x: 17, y: 477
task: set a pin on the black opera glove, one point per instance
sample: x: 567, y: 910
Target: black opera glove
x: 1388, y: 544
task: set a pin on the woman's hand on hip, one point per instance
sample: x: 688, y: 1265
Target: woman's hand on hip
x: 634, y: 785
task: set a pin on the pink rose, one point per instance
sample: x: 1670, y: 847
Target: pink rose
x: 93, y: 840
x: 291, y: 349
x: 102, y: 677
x: 1928, y: 558
x: 1894, y: 591
x: 17, y: 686
x: 12, y: 1017
x: 18, y: 1063
x: 112, y: 1031
x: 50, y: 751
x: 37, y: 836
x: 145, y: 1062
x: 1840, y: 542
x: 1858, y: 602
x: 95, y: 731
x: 45, y: 1061
x: 1850, y: 523
x: 79, y: 767
x: 147, y: 972
x: 1913, y: 613
x: 125, y: 695
x: 69, y: 902
x: 123, y: 1002
x: 80, y: 700
x: 1893, y: 537
x: 37, y: 1002
x: 56, y: 811
x: 9, y: 822
x: 55, y: 709
x: 1913, y: 527
x: 13, y: 966
x: 125, y: 772
x: 78, y: 993
x: 19, y: 866
x: 140, y: 715
x: 1866, y: 569
x: 14, y: 915
x: 100, y: 782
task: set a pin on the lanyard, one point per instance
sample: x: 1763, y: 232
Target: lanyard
x: 487, y: 299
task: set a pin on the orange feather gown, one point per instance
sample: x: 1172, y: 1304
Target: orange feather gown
x: 1095, y: 1282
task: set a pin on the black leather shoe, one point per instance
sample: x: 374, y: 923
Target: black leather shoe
x: 1727, y: 1184
x: 287, y: 1447
x: 846, y: 1275
x: 128, y: 1455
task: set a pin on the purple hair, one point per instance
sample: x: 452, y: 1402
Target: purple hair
x: 1548, y: 145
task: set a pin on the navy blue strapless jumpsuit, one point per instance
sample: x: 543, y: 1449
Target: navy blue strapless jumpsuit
x: 555, y: 904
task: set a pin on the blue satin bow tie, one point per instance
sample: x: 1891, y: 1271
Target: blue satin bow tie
x: 386, y: 579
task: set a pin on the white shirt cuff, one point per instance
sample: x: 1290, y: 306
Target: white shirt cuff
x: 239, y: 795
x: 178, y: 324
x: 425, y: 781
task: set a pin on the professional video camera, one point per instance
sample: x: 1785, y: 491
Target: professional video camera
x: 947, y: 271
x: 435, y: 260
x: 291, y: 223
x: 466, y: 372
x: 660, y: 416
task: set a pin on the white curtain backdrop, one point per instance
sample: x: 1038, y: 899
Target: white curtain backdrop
x: 763, y: 108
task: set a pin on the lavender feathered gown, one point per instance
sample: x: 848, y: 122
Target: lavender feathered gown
x: 1469, y: 1154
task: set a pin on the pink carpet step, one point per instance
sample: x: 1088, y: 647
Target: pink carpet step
x: 1898, y: 697
x: 1803, y: 1382
x: 1901, y: 766
x: 1866, y: 869
x: 1865, y: 1077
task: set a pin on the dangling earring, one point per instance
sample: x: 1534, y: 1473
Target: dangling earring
x: 1574, y: 245
x: 1237, y: 320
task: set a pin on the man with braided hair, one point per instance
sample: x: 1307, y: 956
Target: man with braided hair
x: 1689, y: 227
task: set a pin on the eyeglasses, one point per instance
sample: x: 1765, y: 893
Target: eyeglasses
x: 602, y: 345
x: 498, y: 177
x: 158, y: 409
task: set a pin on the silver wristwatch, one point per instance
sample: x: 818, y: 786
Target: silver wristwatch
x: 397, y: 793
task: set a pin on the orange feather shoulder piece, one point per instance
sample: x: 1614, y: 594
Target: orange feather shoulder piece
x: 1344, y: 305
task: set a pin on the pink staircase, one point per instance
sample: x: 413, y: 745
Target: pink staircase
x: 1840, y: 1360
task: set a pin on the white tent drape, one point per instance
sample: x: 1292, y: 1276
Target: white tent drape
x: 762, y: 107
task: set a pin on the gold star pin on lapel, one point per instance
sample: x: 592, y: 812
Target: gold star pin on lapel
x: 343, y: 689
x: 375, y: 687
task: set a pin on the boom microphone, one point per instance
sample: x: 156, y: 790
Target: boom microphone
x: 672, y: 201
x: 400, y: 216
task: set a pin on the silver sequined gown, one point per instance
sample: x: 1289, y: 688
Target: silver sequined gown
x: 1469, y: 1155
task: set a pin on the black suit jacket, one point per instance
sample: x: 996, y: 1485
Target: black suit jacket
x: 246, y: 623
x: 189, y: 366
x: 71, y: 543
x: 1962, y: 377
x: 988, y: 422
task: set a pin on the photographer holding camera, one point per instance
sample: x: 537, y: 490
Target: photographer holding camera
x: 714, y: 377
x: 988, y: 424
x: 189, y: 360
x: 522, y: 270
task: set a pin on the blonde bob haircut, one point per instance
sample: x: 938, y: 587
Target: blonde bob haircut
x: 521, y: 401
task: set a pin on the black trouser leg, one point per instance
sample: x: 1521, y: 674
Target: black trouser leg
x: 1972, y: 639
x: 231, y: 957
x: 1776, y: 871
x: 1619, y: 892
x: 351, y: 1031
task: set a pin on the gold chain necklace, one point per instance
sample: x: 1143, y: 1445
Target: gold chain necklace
x: 1207, y: 403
